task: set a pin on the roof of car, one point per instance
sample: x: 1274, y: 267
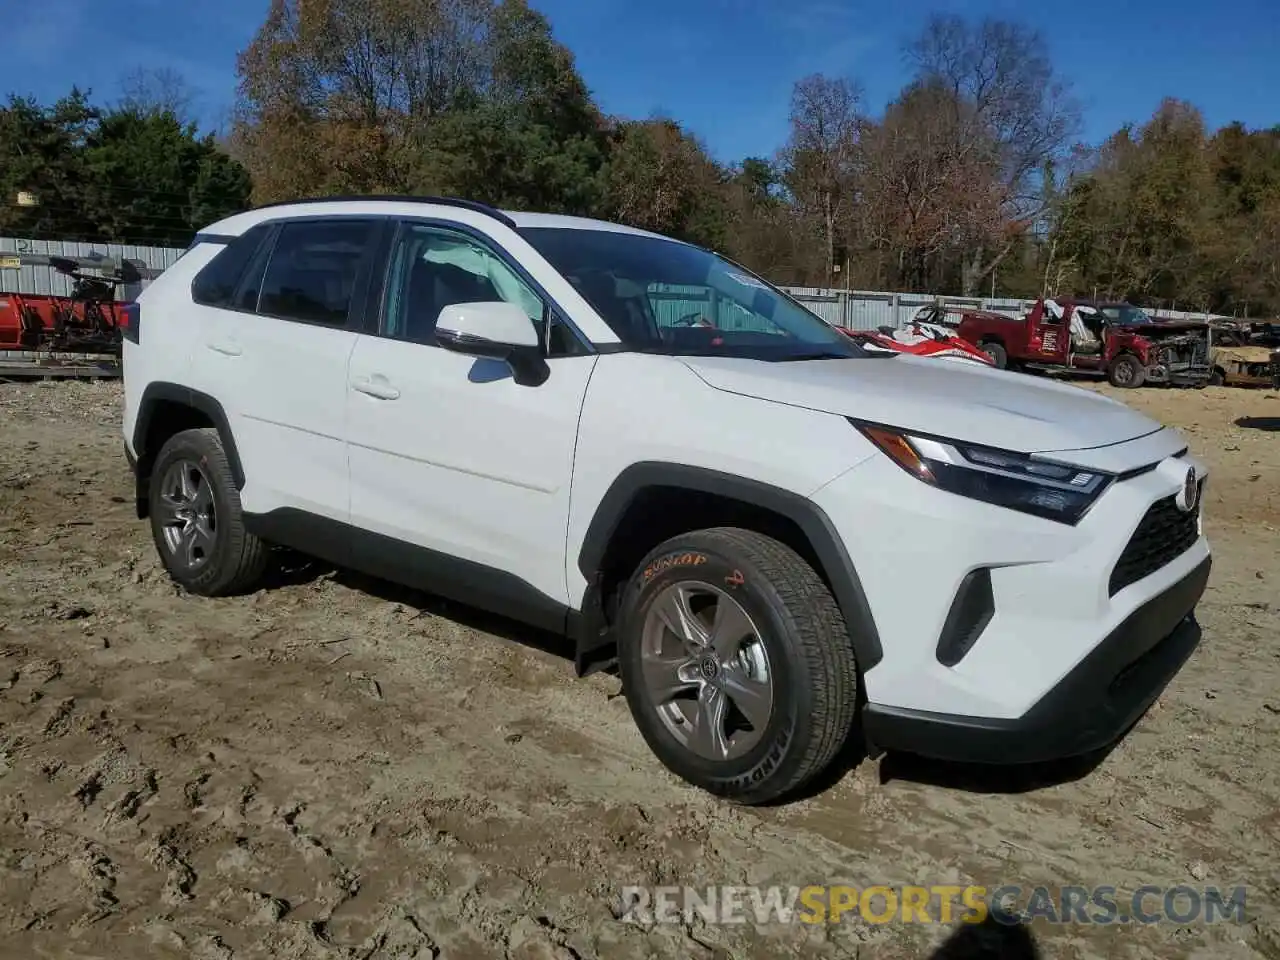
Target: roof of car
x: 565, y: 222
x: 412, y: 205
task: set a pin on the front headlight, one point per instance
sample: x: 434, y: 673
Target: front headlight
x: 1055, y: 491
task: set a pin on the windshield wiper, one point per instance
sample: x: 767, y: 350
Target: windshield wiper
x: 818, y: 355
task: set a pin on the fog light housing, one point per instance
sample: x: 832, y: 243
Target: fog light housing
x: 971, y: 610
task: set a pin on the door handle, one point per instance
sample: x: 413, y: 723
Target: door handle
x: 375, y: 387
x: 225, y: 347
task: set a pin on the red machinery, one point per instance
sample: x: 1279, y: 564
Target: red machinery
x: 920, y: 339
x: 87, y: 321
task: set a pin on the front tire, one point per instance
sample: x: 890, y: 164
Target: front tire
x: 736, y: 664
x: 999, y: 356
x: 1127, y: 372
x: 196, y: 518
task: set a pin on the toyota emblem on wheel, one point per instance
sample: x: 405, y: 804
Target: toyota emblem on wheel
x: 1190, y: 493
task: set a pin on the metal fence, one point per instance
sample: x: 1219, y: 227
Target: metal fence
x: 869, y: 309
x: 853, y: 309
x: 44, y: 280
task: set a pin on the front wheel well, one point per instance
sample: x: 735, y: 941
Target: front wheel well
x: 658, y: 513
x: 653, y: 502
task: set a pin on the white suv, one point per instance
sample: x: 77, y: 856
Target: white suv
x: 783, y: 543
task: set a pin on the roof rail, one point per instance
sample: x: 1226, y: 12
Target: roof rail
x: 472, y: 205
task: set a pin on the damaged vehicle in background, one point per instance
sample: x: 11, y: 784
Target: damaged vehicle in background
x: 1117, y: 339
x: 1246, y: 366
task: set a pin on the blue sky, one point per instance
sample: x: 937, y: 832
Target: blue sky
x: 722, y: 67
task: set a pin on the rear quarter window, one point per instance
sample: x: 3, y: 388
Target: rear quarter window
x: 215, y: 285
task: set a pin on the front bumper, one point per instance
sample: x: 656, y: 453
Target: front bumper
x: 1179, y: 374
x: 983, y: 612
x: 1090, y: 708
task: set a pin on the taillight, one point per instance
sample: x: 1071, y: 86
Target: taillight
x: 130, y: 316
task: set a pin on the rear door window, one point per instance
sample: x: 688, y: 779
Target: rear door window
x: 312, y: 272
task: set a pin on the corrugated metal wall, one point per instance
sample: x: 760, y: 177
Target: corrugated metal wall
x: 855, y: 309
x: 47, y: 281
x: 869, y: 309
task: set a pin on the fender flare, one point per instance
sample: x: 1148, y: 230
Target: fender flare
x: 812, y: 521
x: 159, y: 392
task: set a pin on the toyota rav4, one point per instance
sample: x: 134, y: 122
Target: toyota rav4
x: 782, y: 543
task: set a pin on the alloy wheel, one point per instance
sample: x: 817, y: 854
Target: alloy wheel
x: 706, y: 669
x: 187, y: 514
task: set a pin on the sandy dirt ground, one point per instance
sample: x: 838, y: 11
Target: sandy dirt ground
x: 332, y: 768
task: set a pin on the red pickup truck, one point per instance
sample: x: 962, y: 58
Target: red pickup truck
x: 1117, y: 339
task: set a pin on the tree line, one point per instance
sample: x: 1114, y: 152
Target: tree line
x: 972, y: 180
x: 134, y: 171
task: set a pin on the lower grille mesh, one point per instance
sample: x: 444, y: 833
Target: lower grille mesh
x: 1163, y: 535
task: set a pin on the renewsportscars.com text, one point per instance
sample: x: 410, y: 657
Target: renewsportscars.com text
x: 943, y: 904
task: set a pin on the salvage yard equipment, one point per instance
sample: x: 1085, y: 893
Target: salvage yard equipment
x: 86, y: 322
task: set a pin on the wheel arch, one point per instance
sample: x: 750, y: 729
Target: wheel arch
x: 165, y: 410
x: 623, y: 529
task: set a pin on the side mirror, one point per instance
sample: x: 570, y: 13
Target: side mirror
x: 495, y: 331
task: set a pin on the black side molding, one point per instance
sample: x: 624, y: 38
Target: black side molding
x: 410, y: 565
x: 161, y: 392
x: 805, y: 514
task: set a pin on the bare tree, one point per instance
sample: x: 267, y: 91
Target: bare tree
x: 359, y: 80
x: 925, y: 188
x: 160, y: 90
x: 1009, y: 106
x: 822, y: 154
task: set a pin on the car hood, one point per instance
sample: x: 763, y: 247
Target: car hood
x: 1164, y: 327
x: 960, y: 401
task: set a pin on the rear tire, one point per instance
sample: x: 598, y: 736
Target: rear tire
x: 999, y: 356
x: 196, y: 518
x: 1127, y: 372
x: 765, y: 627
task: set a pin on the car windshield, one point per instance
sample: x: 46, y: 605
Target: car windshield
x: 1126, y: 314
x: 662, y: 296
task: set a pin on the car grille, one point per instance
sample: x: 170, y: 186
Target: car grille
x: 1163, y: 535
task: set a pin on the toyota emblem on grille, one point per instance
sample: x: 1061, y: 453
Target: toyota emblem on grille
x: 1190, y: 493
